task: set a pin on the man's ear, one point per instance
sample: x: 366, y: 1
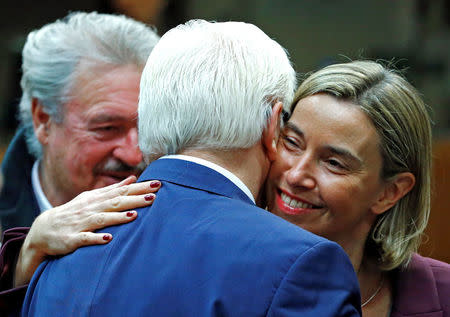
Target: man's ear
x: 272, y: 131
x: 394, y: 190
x: 41, y: 121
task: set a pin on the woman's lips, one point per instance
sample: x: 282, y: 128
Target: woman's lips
x: 292, y: 206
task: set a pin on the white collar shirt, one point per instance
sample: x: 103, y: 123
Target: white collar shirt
x: 229, y: 175
x: 42, y: 200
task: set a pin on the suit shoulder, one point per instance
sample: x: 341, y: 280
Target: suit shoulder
x: 283, y: 227
x: 434, y: 278
x: 441, y: 270
x: 441, y: 274
x: 267, y: 229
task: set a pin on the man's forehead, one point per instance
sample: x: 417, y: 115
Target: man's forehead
x: 109, y: 95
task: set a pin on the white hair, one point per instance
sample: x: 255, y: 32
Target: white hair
x: 52, y: 53
x: 209, y: 85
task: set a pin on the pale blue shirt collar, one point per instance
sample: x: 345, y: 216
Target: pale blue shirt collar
x: 42, y: 200
x: 219, y: 169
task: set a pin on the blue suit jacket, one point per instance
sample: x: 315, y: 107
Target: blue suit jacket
x: 202, y: 249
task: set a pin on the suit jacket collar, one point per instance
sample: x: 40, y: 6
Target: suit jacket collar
x: 415, y: 292
x: 193, y: 175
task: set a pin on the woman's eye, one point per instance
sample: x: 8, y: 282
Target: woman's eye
x: 290, y: 142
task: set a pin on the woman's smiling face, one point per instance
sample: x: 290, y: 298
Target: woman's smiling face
x: 326, y: 178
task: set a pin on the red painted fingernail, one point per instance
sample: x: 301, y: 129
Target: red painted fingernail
x: 107, y: 237
x: 149, y: 197
x: 154, y: 184
x: 130, y: 213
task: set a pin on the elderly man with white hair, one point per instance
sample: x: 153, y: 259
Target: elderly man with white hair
x: 78, y: 132
x: 211, y: 97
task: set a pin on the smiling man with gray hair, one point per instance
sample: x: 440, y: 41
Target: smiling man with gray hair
x: 78, y: 132
x: 211, y: 97
x: 78, y: 112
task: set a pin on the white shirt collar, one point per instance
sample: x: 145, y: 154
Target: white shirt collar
x: 233, y: 178
x: 42, y: 200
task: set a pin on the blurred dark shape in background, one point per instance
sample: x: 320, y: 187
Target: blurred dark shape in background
x: 164, y: 14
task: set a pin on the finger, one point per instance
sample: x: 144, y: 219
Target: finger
x: 128, y: 190
x: 107, y: 219
x: 121, y: 203
x: 130, y: 179
x: 137, y: 188
x: 121, y: 188
x: 88, y: 238
x: 127, y: 181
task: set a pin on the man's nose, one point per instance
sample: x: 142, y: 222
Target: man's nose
x: 128, y: 150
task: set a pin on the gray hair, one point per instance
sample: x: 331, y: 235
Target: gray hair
x: 211, y: 85
x: 401, y: 119
x: 52, y: 53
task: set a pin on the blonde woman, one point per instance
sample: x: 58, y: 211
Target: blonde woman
x: 354, y: 166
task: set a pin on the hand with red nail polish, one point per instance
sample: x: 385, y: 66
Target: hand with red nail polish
x: 107, y: 237
x: 65, y: 228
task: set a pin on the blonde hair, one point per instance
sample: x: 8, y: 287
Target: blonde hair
x: 401, y: 119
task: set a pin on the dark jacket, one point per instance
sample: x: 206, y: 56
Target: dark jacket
x: 18, y: 205
x: 422, y: 289
x: 11, y: 298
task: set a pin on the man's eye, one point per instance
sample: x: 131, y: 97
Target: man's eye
x: 107, y: 129
x: 335, y: 164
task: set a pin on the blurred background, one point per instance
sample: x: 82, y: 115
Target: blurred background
x: 413, y: 34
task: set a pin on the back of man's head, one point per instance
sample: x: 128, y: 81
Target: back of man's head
x: 211, y: 86
x: 52, y: 54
